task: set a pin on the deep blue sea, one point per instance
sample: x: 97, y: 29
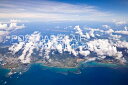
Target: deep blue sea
x: 36, y: 75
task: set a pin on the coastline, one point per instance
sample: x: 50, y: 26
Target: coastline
x: 80, y: 66
x: 66, y: 70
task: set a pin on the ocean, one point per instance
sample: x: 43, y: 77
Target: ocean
x: 40, y: 75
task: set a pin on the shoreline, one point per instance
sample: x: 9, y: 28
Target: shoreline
x: 76, y: 69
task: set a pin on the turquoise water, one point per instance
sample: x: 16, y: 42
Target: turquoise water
x: 92, y: 75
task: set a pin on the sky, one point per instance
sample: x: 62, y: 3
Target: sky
x: 64, y: 10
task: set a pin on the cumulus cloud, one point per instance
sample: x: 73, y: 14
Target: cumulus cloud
x: 104, y: 48
x: 11, y: 26
x: 122, y: 32
x: 5, y: 28
x: 126, y: 28
x: 78, y: 30
x: 16, y: 47
x: 2, y: 34
x: 34, y: 42
x: 83, y: 52
x: 122, y: 44
x: 106, y: 26
x: 109, y: 31
x: 115, y: 36
x: 91, y: 33
x: 27, y: 47
x: 87, y: 35
x: 61, y: 44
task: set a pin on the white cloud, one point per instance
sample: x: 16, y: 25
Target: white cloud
x: 126, y: 28
x: 16, y: 47
x: 89, y: 59
x: 103, y: 48
x: 50, y: 10
x: 3, y: 26
x: 106, y: 26
x: 122, y: 44
x: 82, y: 52
x: 6, y: 28
x: 109, y: 31
x: 115, y: 36
x: 2, y: 34
x: 91, y: 33
x: 27, y: 47
x: 11, y: 26
x: 34, y: 42
x: 119, y: 22
x: 86, y: 35
x: 122, y: 32
x: 79, y: 31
